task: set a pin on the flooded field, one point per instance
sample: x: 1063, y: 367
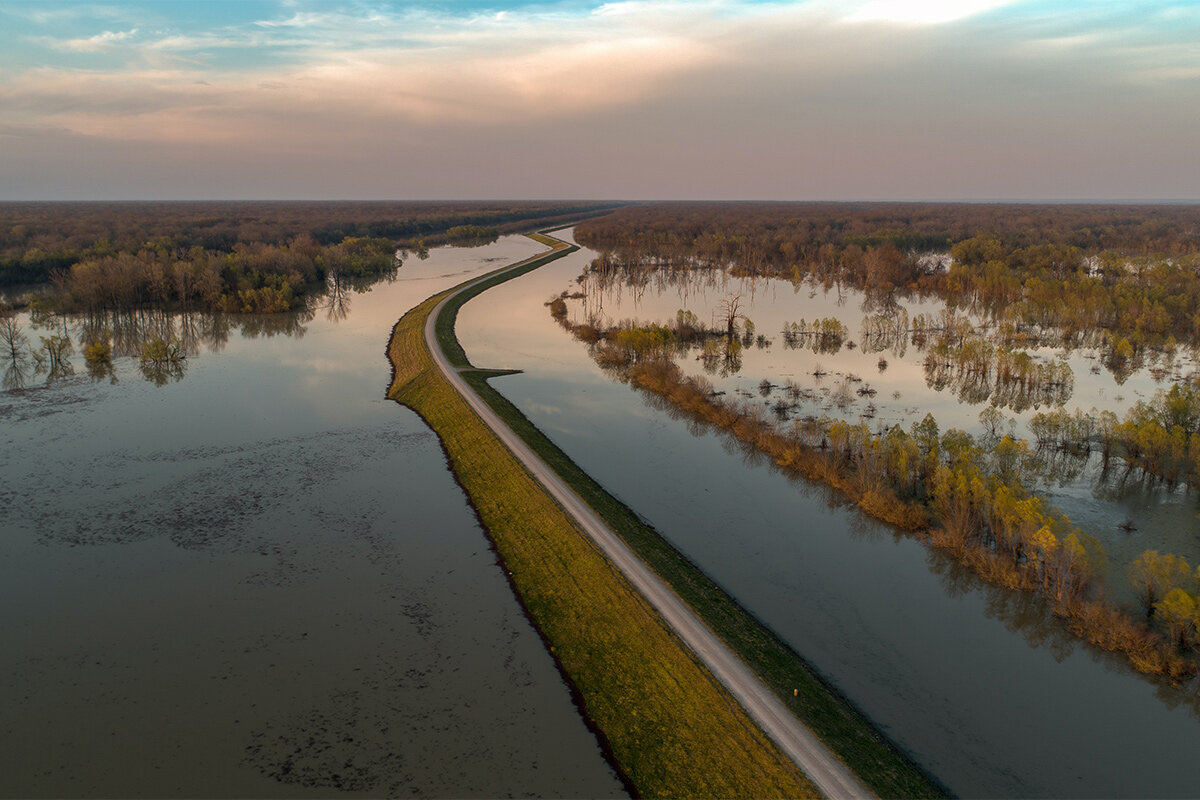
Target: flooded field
x: 248, y: 574
x: 979, y: 684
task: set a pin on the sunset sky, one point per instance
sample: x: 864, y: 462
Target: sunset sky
x: 653, y: 99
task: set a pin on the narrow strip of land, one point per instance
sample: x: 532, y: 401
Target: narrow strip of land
x: 671, y: 728
x: 831, y: 777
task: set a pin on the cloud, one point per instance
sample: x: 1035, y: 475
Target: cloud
x: 483, y: 70
x: 101, y: 42
x: 653, y: 98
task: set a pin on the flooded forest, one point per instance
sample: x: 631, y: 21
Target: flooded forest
x: 948, y: 453
x: 1005, y: 313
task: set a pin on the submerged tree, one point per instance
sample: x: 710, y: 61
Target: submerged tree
x: 97, y: 353
x: 54, y: 356
x: 162, y: 361
x: 1154, y: 575
x: 16, y: 353
x: 730, y: 311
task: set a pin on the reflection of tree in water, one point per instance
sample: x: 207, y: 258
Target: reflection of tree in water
x: 340, y: 285
x: 163, y: 361
x: 161, y: 341
x: 291, y: 325
x: 18, y: 361
x: 1023, y: 613
x: 54, y: 357
x: 17, y: 375
x: 1117, y: 481
x: 15, y: 350
x: 977, y: 373
x: 23, y: 362
x: 721, y: 356
x: 821, y: 337
x: 1027, y: 615
x: 1056, y: 466
x: 101, y: 370
x: 608, y: 279
x: 129, y: 331
x: 193, y: 332
x: 884, y: 330
x: 338, y: 293
x: 348, y: 274
x: 1122, y: 364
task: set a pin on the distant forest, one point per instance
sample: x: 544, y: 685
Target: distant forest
x: 1132, y: 272
x: 775, y: 236
x: 38, y: 239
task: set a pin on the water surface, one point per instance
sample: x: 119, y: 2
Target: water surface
x: 260, y: 579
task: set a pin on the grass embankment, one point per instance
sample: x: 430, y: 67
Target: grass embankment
x: 671, y: 729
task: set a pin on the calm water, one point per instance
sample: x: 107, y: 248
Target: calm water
x: 978, y: 684
x: 903, y: 393
x: 260, y: 579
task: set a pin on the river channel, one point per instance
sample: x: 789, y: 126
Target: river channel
x: 259, y: 578
x: 978, y: 684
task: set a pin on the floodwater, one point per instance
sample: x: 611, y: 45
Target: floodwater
x: 978, y: 684
x: 259, y: 578
x: 887, y: 383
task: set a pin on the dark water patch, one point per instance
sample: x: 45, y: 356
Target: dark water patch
x: 39, y: 402
x: 220, y: 495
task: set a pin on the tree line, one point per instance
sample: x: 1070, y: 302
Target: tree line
x: 252, y: 278
x: 1132, y: 272
x: 39, y: 238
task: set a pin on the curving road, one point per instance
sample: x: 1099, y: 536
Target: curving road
x: 829, y: 774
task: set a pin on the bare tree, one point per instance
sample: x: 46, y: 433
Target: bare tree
x: 730, y: 309
x: 12, y: 338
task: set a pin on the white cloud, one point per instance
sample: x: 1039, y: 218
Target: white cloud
x: 109, y: 40
x: 482, y: 70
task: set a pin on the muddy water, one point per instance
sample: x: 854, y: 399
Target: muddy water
x: 261, y: 580
x: 978, y: 684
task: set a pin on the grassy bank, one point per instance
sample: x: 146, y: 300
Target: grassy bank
x: 671, y: 730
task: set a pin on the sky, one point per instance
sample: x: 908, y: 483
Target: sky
x: 644, y: 99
